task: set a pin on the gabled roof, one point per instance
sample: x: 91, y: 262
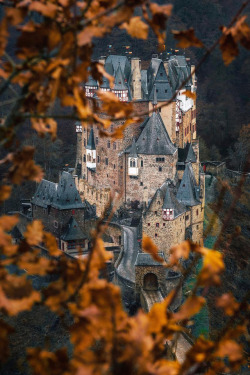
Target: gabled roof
x: 63, y: 195
x: 154, y: 139
x: 133, y: 150
x: 178, y: 71
x: 91, y: 140
x: 188, y: 192
x: 73, y: 232
x: 186, y: 154
x: 157, y: 76
x: 144, y: 259
x: 116, y: 60
x: 119, y: 80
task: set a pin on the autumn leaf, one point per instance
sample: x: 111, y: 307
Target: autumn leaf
x: 23, y: 167
x: 229, y: 48
x: 34, y: 233
x: 190, y: 94
x: 230, y: 349
x: 191, y: 306
x: 43, y: 126
x: 187, y: 38
x: 5, y: 191
x: 179, y: 251
x: 136, y: 28
x: 5, y: 331
x: 51, y: 244
x: 8, y: 222
x: 213, y: 266
x: 150, y: 247
x: 228, y: 303
x: 49, y: 9
x: 160, y: 13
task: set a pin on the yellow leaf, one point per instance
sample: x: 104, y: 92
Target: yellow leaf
x: 5, y: 191
x: 8, y: 222
x: 150, y: 247
x: 213, y: 266
x: 190, y: 307
x: 187, y: 38
x: 43, y: 126
x: 190, y: 94
x: 51, y: 244
x: 34, y: 233
x: 136, y: 28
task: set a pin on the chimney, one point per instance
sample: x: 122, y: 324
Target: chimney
x: 194, y: 75
x: 136, y: 78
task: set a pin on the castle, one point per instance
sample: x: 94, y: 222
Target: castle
x: 154, y: 170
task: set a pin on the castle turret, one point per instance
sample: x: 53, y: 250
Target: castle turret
x: 136, y: 78
x: 91, y: 151
x: 120, y: 87
x: 168, y: 206
x: 133, y: 161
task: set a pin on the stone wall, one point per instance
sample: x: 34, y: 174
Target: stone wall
x: 149, y: 179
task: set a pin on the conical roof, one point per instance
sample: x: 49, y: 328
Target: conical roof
x: 133, y: 151
x: 168, y: 201
x: 186, y: 154
x: 119, y: 80
x: 190, y: 155
x: 73, y: 232
x: 91, y: 140
x: 154, y: 138
x: 187, y: 192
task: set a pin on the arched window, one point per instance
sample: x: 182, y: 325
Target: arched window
x: 131, y: 163
x: 150, y: 281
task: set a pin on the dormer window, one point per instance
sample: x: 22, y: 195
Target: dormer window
x: 168, y: 214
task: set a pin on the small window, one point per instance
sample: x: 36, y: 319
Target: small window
x: 141, y: 183
x: 56, y: 224
x: 156, y: 234
x: 157, y: 225
x: 164, y: 224
x: 108, y: 144
x: 160, y: 169
x: 98, y: 159
x: 161, y: 74
x: 166, y: 91
x: 106, y: 161
x: 156, y: 212
x: 148, y: 224
x: 84, y: 141
x: 197, y: 212
x: 96, y: 140
x: 114, y: 182
x: 141, y: 163
x: 114, y: 166
x: 187, y: 217
x: 114, y: 146
x: 197, y: 226
x: 156, y: 90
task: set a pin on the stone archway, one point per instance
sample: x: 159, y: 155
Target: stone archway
x: 150, y: 281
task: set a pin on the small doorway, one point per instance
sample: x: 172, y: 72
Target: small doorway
x: 150, y: 282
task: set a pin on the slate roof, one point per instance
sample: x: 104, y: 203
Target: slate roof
x: 73, y: 232
x: 154, y: 139
x: 144, y: 259
x: 178, y: 71
x: 115, y: 61
x: 157, y: 75
x: 188, y: 192
x: 91, y: 140
x: 91, y: 82
x: 186, y: 154
x: 154, y: 102
x: 63, y: 195
x: 133, y: 150
x: 119, y: 80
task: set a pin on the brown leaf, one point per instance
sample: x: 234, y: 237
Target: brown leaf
x: 8, y: 222
x: 228, y: 303
x: 187, y: 38
x: 136, y: 28
x: 43, y: 126
x: 150, y: 247
x: 190, y: 94
x: 229, y: 48
x: 5, y: 191
x: 34, y: 233
x: 51, y: 244
x: 191, y: 306
x: 230, y: 349
x: 5, y: 331
x: 160, y: 14
x: 48, y: 10
x: 179, y: 251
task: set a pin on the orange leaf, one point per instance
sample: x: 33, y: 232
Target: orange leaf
x: 136, y: 28
x: 230, y: 349
x: 43, y: 126
x: 179, y: 251
x: 48, y: 10
x: 228, y: 303
x: 5, y: 191
x: 34, y: 233
x: 190, y: 94
x: 187, y: 38
x: 191, y: 306
x: 150, y: 247
x: 50, y: 242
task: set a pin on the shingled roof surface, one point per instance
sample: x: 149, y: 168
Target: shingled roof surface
x: 73, y: 232
x: 187, y: 192
x: 144, y: 259
x: 119, y: 80
x: 178, y: 71
x: 154, y: 139
x: 63, y: 195
x: 186, y: 154
x: 133, y: 150
x: 157, y: 76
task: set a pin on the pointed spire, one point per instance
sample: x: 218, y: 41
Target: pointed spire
x: 187, y: 189
x: 119, y: 79
x: 155, y: 102
x: 133, y: 151
x: 190, y: 154
x: 91, y: 140
x: 168, y: 202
